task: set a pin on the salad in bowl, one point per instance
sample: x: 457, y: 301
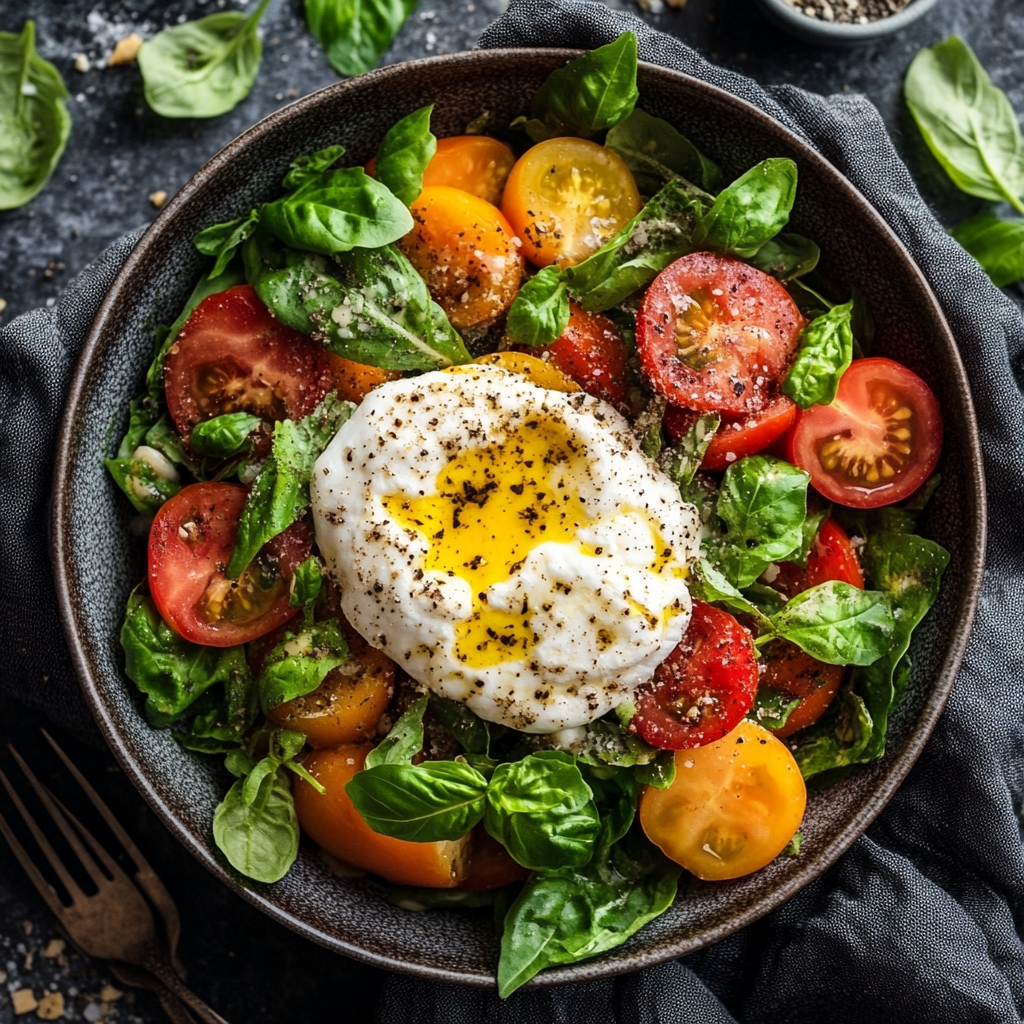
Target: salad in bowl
x: 528, y: 519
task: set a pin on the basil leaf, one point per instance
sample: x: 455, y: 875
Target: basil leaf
x: 997, y: 244
x: 826, y: 351
x: 763, y: 503
x: 355, y: 33
x: 206, y: 734
x: 168, y: 669
x: 368, y: 305
x: 224, y: 435
x: 711, y: 586
x: 542, y: 811
x: 302, y: 168
x: 300, y: 662
x: 772, y: 708
x: 809, y: 532
x: 838, y: 623
x: 145, y: 475
x: 638, y: 252
x: 787, y: 256
x: 590, y: 94
x: 223, y: 240
x: 750, y: 211
x: 335, y: 211
x: 616, y: 795
x: 472, y: 733
x: 34, y: 122
x: 681, y: 462
x: 566, y: 916
x: 202, y: 68
x: 307, y: 582
x: 540, y: 311
x: 656, y: 153
x: 404, y: 741
x: 280, y: 494
x: 404, y: 153
x: 260, y: 838
x: 837, y: 739
x: 967, y: 122
x: 610, y: 743
x: 427, y: 803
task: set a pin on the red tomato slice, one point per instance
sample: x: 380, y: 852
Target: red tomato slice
x: 877, y: 442
x: 591, y: 351
x: 490, y: 864
x: 787, y: 668
x: 735, y: 438
x: 716, y: 335
x: 233, y: 356
x: 190, y: 542
x: 703, y: 688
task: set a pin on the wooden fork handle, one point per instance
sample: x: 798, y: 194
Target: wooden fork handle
x: 165, y: 973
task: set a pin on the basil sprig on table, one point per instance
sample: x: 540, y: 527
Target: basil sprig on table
x: 355, y: 33
x: 202, y: 68
x: 34, y: 121
x: 997, y: 244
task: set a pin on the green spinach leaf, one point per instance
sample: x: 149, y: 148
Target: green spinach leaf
x: 826, y: 351
x: 997, y: 244
x: 967, y: 122
x: 355, y: 33
x: 750, y: 211
x: 34, y: 121
x: 540, y: 311
x: 311, y: 165
x: 404, y: 153
x: 202, y: 68
x: 224, y: 435
x: 787, y: 256
x: 223, y: 240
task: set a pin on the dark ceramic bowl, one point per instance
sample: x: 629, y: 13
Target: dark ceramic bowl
x: 97, y: 563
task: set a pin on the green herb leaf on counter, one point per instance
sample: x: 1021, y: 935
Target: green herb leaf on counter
x: 280, y: 493
x: 223, y: 240
x: 34, y: 122
x: 368, y: 305
x: 591, y: 94
x: 656, y: 153
x: 404, y: 153
x: 659, y: 234
x: 997, y: 244
x: 540, y: 311
x: 300, y: 662
x: 825, y: 353
x: 311, y: 165
x: 967, y: 122
x: 202, y: 68
x: 169, y: 670
x: 404, y: 741
x: 750, y: 211
x: 426, y: 803
x: 542, y: 811
x: 225, y: 435
x: 335, y: 211
x: 355, y: 33
x: 787, y: 256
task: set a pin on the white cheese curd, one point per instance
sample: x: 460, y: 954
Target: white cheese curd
x: 507, y: 545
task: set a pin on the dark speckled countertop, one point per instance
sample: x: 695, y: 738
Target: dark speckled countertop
x: 251, y: 969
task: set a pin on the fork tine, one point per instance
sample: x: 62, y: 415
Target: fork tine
x: 35, y: 875
x: 44, y: 844
x: 67, y: 831
x: 146, y: 878
x: 105, y: 859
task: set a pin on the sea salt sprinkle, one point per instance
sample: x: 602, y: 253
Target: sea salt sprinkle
x: 849, y: 12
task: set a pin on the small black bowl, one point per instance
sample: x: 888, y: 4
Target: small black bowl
x: 97, y: 564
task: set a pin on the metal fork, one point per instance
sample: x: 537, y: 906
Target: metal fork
x: 116, y: 923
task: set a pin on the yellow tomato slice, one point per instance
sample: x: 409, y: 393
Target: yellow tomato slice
x: 539, y: 371
x: 566, y: 197
x: 473, y: 163
x: 732, y: 808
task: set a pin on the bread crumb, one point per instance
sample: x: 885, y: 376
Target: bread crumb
x: 54, y: 948
x: 26, y: 927
x: 23, y: 1001
x: 109, y: 994
x: 82, y: 62
x: 30, y: 960
x: 126, y: 50
x: 51, y: 1006
x: 158, y: 198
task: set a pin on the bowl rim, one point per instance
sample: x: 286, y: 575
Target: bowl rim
x: 839, y: 32
x: 92, y: 685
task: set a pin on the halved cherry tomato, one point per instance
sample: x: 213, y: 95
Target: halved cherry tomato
x: 703, y: 688
x: 789, y: 670
x: 716, y: 335
x: 354, y: 381
x: 732, y: 807
x: 591, y: 351
x: 347, y: 705
x: 462, y: 247
x: 474, y: 163
x: 331, y: 820
x: 233, y: 356
x: 566, y: 197
x: 877, y: 442
x: 190, y: 542
x: 736, y: 438
x: 490, y: 864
